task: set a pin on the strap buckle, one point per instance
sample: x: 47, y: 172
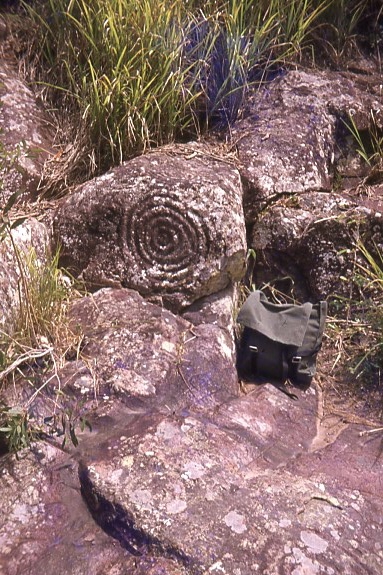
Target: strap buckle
x: 253, y: 348
x: 296, y: 359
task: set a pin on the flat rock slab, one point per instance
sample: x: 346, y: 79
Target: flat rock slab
x: 167, y: 224
x: 222, y: 492
x: 46, y: 527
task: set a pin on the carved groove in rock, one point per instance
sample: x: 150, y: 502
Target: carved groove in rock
x: 165, y: 238
x: 170, y: 228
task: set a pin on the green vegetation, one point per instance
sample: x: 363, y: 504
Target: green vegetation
x: 369, y: 143
x: 356, y: 330
x: 122, y: 76
x: 35, y: 342
x: 37, y: 335
x: 130, y: 75
x: 369, y: 278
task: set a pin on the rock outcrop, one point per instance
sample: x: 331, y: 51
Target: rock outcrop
x: 182, y: 474
x: 288, y: 138
x: 312, y: 238
x: 292, y: 146
x: 184, y: 471
x: 229, y: 492
x: 142, y: 351
x: 168, y: 224
x: 25, y: 136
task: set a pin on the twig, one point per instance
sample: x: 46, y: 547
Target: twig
x: 185, y: 381
x: 34, y: 354
x: 368, y: 431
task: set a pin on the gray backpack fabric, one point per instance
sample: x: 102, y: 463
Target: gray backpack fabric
x: 280, y: 341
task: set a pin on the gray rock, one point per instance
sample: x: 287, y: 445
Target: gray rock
x: 167, y: 224
x: 150, y: 357
x: 24, y: 134
x: 183, y: 475
x: 311, y: 239
x: 45, y: 525
x: 288, y: 137
x: 292, y: 143
x: 232, y: 492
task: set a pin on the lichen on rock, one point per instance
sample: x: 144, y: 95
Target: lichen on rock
x: 166, y: 225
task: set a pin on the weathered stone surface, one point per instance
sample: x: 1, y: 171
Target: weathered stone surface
x: 24, y: 133
x: 139, y: 361
x: 45, y: 526
x: 311, y: 238
x: 169, y: 225
x: 292, y: 145
x: 139, y: 354
x: 217, y: 309
x: 287, y: 140
x: 188, y: 477
x: 234, y: 492
x: 142, y: 351
x: 31, y: 235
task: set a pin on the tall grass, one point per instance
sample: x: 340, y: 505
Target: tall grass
x: 369, y: 143
x: 360, y: 340
x: 36, y: 334
x: 136, y: 74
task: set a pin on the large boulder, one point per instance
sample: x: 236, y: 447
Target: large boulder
x: 168, y: 224
x: 144, y: 352
x: 288, y: 139
x: 313, y: 239
x: 295, y: 154
x: 138, y: 354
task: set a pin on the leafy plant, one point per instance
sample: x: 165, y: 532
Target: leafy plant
x: 15, y: 429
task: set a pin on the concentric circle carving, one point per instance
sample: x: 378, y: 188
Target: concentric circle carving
x: 164, y: 238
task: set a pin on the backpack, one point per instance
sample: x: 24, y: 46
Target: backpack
x: 280, y: 342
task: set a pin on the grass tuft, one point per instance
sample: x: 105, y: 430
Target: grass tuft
x: 356, y: 331
x: 133, y: 75
x: 36, y: 337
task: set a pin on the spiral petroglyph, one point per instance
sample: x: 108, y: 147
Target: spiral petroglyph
x: 169, y: 227
x: 164, y: 238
